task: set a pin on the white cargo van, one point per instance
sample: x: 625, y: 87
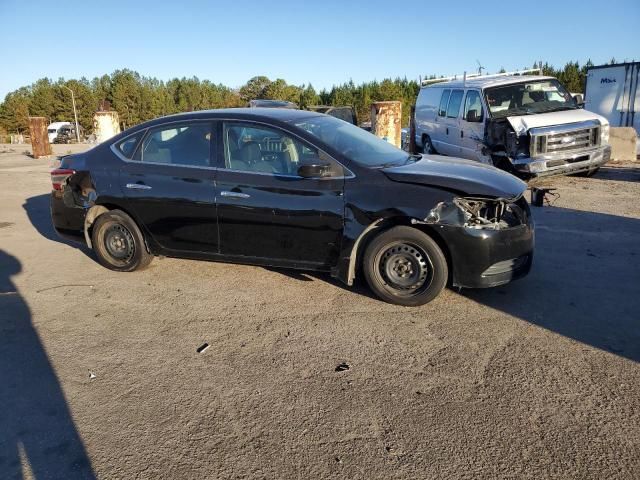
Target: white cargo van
x: 527, y: 124
x: 54, y: 128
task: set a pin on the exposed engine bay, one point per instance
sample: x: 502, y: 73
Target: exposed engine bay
x: 502, y: 140
x: 480, y: 213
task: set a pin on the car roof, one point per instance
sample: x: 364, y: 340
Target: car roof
x: 257, y: 113
x: 481, y: 83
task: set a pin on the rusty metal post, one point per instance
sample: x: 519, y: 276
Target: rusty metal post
x: 40, y: 146
x: 412, y: 131
x: 385, y: 121
x: 105, y: 125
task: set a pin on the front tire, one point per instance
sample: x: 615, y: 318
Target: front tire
x: 404, y: 266
x: 427, y: 145
x: 119, y: 243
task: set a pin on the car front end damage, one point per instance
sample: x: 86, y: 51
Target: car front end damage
x: 490, y: 240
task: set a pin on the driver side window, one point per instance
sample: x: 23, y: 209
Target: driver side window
x: 254, y: 148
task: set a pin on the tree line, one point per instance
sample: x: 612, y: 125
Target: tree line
x: 137, y: 98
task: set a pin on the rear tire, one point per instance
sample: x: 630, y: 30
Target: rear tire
x: 119, y: 243
x: 404, y: 266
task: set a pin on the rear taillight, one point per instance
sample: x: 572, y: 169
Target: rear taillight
x: 59, y: 177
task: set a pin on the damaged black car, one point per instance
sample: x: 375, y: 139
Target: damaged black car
x: 296, y: 189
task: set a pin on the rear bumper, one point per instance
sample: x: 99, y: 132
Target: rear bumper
x: 487, y: 258
x: 68, y: 222
x: 564, y: 163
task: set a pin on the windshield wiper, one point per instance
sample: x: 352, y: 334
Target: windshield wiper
x: 416, y: 157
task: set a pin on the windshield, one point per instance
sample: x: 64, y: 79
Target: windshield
x: 528, y: 98
x: 353, y: 142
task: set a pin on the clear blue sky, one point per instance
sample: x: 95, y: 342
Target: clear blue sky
x: 322, y: 42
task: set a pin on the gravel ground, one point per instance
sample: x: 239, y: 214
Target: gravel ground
x: 101, y: 377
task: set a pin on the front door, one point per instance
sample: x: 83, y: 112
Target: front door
x: 267, y: 213
x: 472, y: 127
x: 169, y: 186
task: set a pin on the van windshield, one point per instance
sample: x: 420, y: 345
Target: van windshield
x: 528, y: 98
x: 354, y: 143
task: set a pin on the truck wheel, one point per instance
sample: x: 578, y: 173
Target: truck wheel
x: 405, y: 266
x: 427, y: 146
x: 119, y: 243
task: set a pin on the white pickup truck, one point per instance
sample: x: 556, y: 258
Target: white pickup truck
x: 527, y: 124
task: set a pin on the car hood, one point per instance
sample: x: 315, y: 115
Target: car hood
x: 522, y: 123
x: 466, y: 176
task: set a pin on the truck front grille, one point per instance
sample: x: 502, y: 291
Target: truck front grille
x: 565, y: 141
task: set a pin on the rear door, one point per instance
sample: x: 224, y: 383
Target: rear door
x: 169, y: 186
x: 267, y: 213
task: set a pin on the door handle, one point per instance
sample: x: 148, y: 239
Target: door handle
x: 461, y: 133
x: 447, y: 130
x: 229, y: 194
x: 138, y: 186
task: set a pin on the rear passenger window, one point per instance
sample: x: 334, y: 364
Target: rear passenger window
x: 442, y: 111
x: 127, y: 147
x: 454, y: 103
x: 187, y: 144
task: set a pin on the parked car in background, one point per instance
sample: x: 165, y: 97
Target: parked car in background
x: 263, y: 103
x: 348, y: 114
x: 54, y: 128
x: 526, y: 124
x: 67, y: 134
x: 297, y: 189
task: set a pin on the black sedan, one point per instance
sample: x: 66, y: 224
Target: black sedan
x: 298, y: 189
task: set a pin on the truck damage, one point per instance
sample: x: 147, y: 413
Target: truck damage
x: 503, y: 144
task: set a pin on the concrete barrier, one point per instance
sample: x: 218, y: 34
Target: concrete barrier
x: 623, y: 144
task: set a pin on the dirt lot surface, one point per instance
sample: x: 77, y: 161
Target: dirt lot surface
x: 100, y: 377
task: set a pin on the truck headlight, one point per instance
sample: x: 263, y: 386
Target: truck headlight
x: 604, y: 134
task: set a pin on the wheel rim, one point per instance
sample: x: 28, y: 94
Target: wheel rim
x: 119, y: 243
x: 427, y: 145
x: 405, y: 268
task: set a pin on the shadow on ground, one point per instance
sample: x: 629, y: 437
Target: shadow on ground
x: 36, y: 427
x: 37, y: 209
x: 585, y: 281
x: 618, y: 174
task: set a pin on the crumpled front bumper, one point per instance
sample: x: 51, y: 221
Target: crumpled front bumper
x: 483, y: 258
x: 564, y: 163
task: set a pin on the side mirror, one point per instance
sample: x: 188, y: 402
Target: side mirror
x: 579, y: 99
x: 314, y: 170
x: 472, y: 116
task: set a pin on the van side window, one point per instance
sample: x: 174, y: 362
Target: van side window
x: 442, y: 111
x: 454, y: 103
x: 473, y: 107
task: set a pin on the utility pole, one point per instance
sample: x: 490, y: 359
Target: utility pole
x: 75, y: 113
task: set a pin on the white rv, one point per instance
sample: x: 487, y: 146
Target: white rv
x: 54, y: 128
x: 527, y: 124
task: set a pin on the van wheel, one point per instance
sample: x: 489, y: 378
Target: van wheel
x: 405, y: 266
x: 427, y: 146
x: 118, y: 242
